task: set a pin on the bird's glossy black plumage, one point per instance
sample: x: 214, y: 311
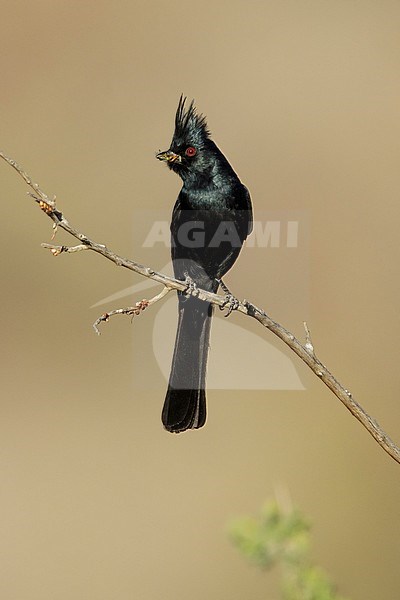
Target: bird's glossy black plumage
x: 211, y: 219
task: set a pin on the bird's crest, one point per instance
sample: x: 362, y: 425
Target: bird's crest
x: 190, y: 127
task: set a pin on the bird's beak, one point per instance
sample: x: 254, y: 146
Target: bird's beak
x: 169, y: 156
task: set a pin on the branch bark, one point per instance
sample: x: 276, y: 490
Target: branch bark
x: 305, y: 350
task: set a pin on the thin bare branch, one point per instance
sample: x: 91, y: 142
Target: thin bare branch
x: 304, y: 351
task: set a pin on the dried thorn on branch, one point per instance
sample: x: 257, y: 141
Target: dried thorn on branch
x: 308, y: 345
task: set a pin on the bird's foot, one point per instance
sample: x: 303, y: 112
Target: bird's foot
x: 231, y: 303
x: 191, y: 287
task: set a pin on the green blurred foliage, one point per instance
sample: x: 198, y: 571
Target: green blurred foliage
x: 279, y: 537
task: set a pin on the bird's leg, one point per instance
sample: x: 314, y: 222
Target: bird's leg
x: 231, y: 302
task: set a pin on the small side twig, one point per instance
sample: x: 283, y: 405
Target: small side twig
x: 132, y: 311
x: 56, y: 250
x: 304, y: 351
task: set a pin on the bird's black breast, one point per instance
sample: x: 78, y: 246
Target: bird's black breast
x: 208, y: 228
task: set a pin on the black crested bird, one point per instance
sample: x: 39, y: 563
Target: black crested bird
x: 211, y: 219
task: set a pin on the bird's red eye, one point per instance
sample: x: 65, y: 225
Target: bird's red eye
x: 190, y: 151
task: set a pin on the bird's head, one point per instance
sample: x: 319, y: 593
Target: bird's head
x: 188, y: 151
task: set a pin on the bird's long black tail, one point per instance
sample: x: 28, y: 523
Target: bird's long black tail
x: 185, y: 401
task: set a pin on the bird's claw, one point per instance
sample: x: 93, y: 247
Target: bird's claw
x: 191, y: 287
x: 230, y: 302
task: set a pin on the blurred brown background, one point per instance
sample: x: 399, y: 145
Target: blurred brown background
x: 97, y: 501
